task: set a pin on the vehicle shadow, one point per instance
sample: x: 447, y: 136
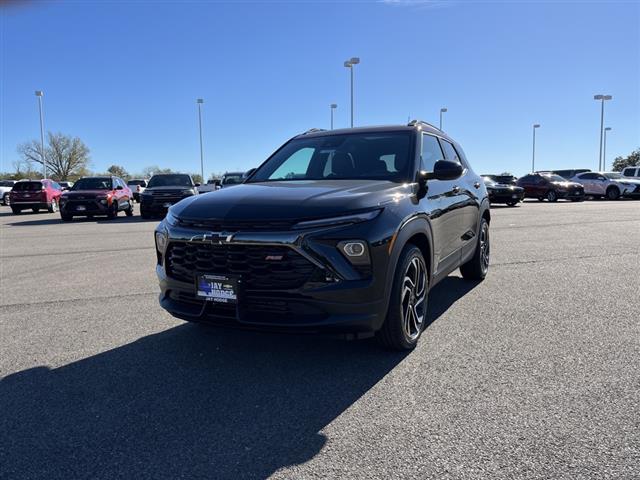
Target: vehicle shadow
x: 190, y: 402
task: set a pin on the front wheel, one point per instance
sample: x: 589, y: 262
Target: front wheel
x: 6, y: 199
x: 552, y: 196
x: 408, y: 304
x: 53, y: 206
x: 478, y: 266
x: 129, y: 211
x: 113, y: 211
x: 613, y: 193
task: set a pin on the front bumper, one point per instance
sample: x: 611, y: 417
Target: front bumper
x: 84, y: 207
x: 506, y: 196
x: 632, y: 192
x: 335, y: 298
x: 575, y: 194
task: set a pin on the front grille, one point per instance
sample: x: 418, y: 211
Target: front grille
x: 238, y: 225
x: 261, y: 267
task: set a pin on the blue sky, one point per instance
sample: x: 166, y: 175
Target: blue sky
x: 124, y: 76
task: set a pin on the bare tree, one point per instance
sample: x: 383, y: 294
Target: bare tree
x: 118, y: 171
x: 65, y: 155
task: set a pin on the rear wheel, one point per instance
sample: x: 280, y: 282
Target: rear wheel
x: 552, y: 196
x: 478, y: 266
x: 6, y: 199
x: 408, y: 304
x: 613, y: 193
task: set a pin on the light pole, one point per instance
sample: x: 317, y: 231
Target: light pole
x: 533, y: 158
x: 200, y: 101
x: 602, y: 99
x: 604, y: 149
x: 442, y: 110
x: 333, y: 106
x: 349, y: 64
x: 39, y: 94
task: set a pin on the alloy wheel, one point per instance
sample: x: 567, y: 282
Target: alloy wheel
x: 485, y: 247
x: 413, y: 298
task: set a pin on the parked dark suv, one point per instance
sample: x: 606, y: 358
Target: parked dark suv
x: 163, y: 190
x: 338, y: 231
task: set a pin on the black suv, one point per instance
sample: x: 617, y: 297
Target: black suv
x: 163, y: 190
x: 337, y: 231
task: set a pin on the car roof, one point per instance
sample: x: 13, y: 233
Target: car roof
x: 411, y: 127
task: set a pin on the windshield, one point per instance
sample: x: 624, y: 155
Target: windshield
x: 612, y: 175
x: 383, y: 156
x: 231, y: 179
x: 142, y: 183
x: 555, y: 178
x: 27, y: 186
x: 170, y: 181
x: 95, y: 183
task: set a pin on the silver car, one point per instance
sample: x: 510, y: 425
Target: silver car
x: 608, y: 184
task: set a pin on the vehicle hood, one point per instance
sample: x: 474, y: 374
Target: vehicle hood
x: 292, y: 200
x: 567, y: 184
x: 86, y: 193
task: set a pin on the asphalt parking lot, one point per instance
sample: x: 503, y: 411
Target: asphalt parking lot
x: 533, y: 373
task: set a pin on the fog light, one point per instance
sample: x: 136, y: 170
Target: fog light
x: 161, y: 241
x: 356, y: 251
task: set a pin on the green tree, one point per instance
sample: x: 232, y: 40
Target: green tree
x: 118, y: 171
x: 632, y: 160
x: 197, y: 178
x: 64, y: 155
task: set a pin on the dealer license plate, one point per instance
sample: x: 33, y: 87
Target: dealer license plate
x: 217, y: 288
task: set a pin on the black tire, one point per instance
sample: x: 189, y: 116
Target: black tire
x: 113, y: 211
x: 613, y: 193
x: 53, y: 206
x: 144, y: 214
x: 512, y: 204
x: 65, y: 217
x: 552, y: 196
x: 6, y: 199
x: 407, y: 312
x: 478, y: 266
x: 35, y: 209
x: 16, y: 210
x: 129, y: 211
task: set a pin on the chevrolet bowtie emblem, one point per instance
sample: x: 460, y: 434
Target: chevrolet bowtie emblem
x: 213, y: 237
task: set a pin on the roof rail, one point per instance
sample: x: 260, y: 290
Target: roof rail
x: 413, y: 123
x: 313, y: 130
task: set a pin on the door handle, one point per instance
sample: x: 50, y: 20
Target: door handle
x: 477, y: 184
x: 455, y: 189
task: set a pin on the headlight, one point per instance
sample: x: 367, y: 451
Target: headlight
x: 171, y: 219
x: 161, y: 241
x: 344, y: 219
x: 191, y: 191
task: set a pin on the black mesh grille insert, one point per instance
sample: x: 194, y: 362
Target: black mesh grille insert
x: 261, y: 267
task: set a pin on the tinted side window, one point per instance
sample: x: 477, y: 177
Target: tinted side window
x: 588, y: 176
x: 450, y: 152
x: 431, y: 152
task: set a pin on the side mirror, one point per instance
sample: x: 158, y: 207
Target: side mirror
x: 119, y: 187
x: 444, y: 170
x: 197, y: 184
